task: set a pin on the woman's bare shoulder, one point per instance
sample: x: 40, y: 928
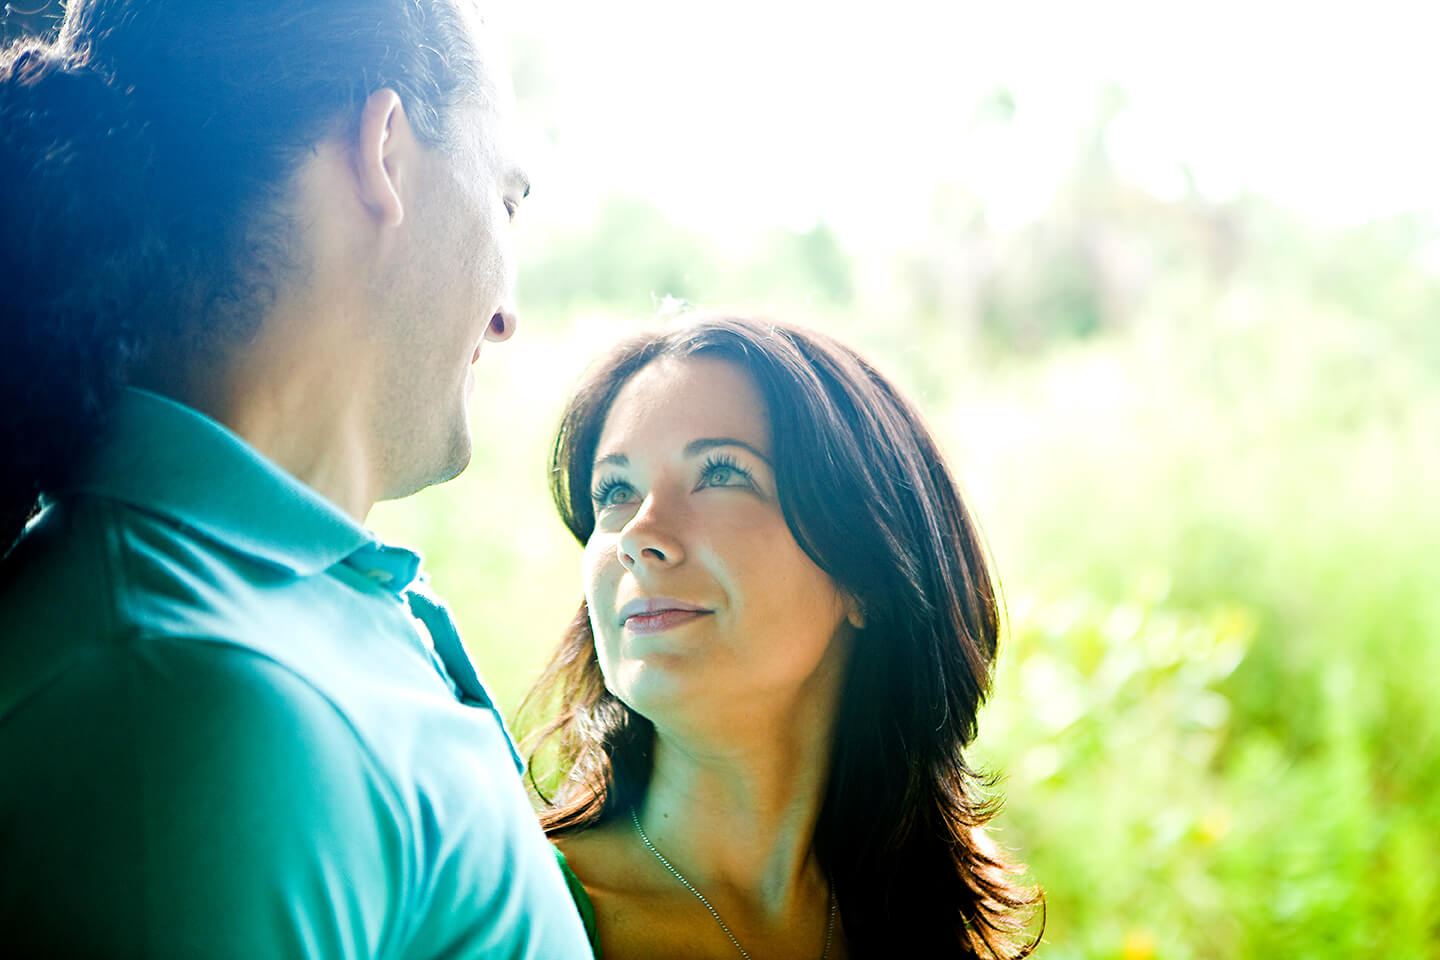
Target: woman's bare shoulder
x: 636, y: 917
x: 606, y: 861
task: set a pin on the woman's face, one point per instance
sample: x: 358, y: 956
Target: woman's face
x: 700, y: 599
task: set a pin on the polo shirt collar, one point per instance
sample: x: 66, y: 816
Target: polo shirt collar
x: 168, y: 459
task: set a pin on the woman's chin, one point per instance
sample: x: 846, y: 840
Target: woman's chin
x: 661, y: 686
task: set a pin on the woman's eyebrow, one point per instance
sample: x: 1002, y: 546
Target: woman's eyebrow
x: 706, y: 443
x: 693, y: 448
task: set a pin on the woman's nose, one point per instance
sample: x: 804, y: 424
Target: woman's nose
x: 649, y: 541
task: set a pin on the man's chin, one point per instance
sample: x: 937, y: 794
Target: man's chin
x: 461, y: 451
x: 440, y: 470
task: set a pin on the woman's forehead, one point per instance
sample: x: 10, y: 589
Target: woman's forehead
x: 677, y: 400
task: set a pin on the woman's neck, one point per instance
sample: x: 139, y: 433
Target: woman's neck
x: 741, y: 816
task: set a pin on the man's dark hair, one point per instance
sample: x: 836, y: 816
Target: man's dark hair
x: 866, y: 494
x: 146, y: 156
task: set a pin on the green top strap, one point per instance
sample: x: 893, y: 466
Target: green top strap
x: 582, y: 901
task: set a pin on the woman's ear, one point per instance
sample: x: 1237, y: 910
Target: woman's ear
x: 854, y: 615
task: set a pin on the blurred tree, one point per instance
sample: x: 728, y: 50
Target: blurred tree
x: 632, y: 256
x: 629, y: 258
x: 809, y: 265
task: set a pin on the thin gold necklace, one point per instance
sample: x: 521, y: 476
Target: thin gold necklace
x: 829, y: 924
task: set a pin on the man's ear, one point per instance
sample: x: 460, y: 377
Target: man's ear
x: 384, y: 153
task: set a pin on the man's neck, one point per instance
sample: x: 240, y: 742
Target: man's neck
x: 329, y: 452
x: 307, y: 419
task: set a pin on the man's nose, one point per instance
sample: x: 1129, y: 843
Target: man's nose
x: 502, y: 324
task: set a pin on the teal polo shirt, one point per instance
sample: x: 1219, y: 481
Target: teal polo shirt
x: 235, y: 724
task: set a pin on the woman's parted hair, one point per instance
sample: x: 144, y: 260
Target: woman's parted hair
x: 146, y: 155
x: 867, y: 495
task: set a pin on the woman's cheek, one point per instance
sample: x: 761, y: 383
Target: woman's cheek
x: 592, y: 572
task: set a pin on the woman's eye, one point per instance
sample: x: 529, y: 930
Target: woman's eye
x: 725, y: 474
x: 612, y: 493
x: 720, y: 476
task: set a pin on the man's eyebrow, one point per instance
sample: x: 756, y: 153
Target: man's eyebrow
x: 706, y: 443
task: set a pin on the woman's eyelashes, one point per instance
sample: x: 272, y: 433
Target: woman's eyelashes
x: 719, y: 471
x: 722, y: 470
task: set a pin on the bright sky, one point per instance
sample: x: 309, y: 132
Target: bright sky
x: 747, y: 114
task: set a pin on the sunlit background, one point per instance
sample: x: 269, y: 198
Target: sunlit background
x: 1166, y: 280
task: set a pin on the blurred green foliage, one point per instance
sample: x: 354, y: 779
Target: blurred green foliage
x: 1201, y: 438
x: 630, y: 256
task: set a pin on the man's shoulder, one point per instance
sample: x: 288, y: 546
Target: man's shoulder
x: 59, y: 562
x: 91, y: 573
x: 126, y: 629
x: 106, y: 556
x: 302, y: 719
x: 125, y: 607
x: 185, y: 790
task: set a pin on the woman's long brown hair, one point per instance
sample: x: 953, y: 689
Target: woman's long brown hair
x: 867, y: 495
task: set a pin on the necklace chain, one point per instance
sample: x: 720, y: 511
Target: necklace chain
x: 829, y: 924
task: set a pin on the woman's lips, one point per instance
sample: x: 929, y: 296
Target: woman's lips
x: 655, y: 614
x: 662, y: 620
